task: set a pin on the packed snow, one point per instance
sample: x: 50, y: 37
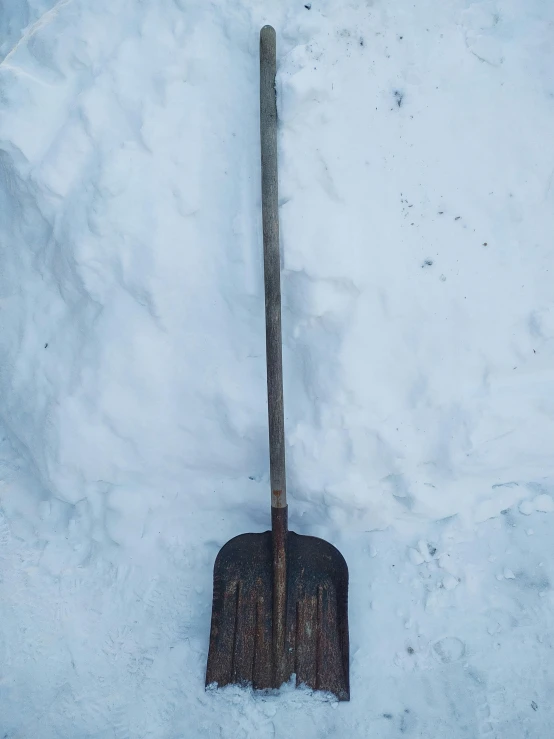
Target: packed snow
x: 417, y: 213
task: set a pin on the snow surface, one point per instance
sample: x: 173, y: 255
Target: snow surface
x: 416, y: 186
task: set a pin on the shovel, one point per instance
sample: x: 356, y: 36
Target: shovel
x: 280, y: 600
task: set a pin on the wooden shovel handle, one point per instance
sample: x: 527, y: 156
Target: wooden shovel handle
x: 272, y: 266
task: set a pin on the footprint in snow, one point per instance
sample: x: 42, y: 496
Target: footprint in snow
x: 449, y: 649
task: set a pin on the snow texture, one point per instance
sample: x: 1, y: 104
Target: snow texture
x: 416, y: 203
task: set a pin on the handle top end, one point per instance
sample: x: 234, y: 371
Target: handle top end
x: 267, y: 33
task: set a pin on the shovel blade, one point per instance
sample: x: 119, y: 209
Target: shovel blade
x: 316, y: 632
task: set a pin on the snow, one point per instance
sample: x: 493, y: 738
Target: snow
x: 416, y: 171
